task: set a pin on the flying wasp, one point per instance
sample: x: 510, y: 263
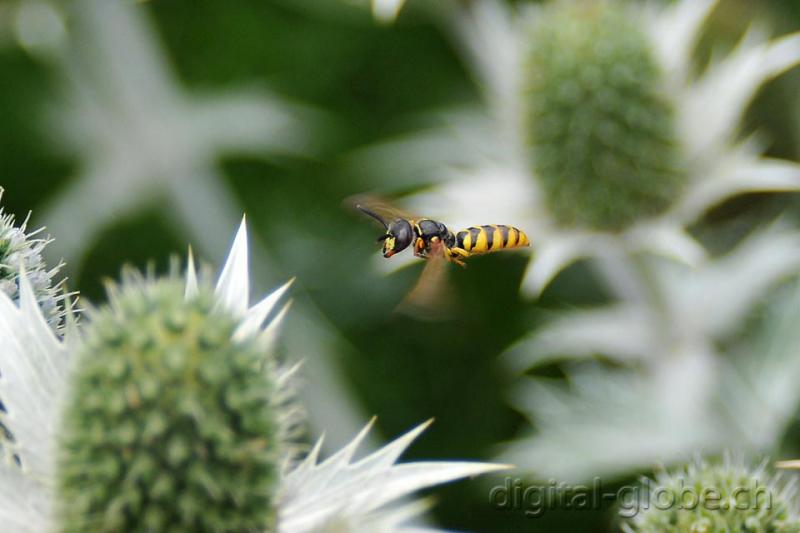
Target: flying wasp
x: 432, y: 240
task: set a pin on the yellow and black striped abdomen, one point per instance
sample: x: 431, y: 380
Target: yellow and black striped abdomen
x: 491, y: 238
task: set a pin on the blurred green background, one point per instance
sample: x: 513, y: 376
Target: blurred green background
x: 363, y: 82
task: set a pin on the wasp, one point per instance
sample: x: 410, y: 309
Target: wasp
x: 434, y: 241
x: 431, y: 238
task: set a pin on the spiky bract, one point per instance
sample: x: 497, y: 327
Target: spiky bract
x: 602, y: 136
x: 170, y: 426
x: 727, y: 496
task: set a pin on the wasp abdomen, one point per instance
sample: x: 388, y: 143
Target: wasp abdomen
x: 490, y: 238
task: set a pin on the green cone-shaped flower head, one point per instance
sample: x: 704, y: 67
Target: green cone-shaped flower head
x: 19, y: 250
x: 170, y: 425
x: 602, y: 136
x: 706, y: 498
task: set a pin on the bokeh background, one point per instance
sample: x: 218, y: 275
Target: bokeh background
x: 132, y: 129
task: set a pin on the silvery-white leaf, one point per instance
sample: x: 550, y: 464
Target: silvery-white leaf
x: 142, y: 139
x: 674, y: 32
x: 342, y: 491
x: 26, y: 503
x: 759, y: 389
x: 611, y: 423
x: 668, y: 239
x: 740, y: 169
x: 494, y: 43
x: 713, y: 105
x: 551, y: 256
x: 191, y: 276
x: 386, y: 10
x: 233, y: 286
x: 34, y: 366
x: 714, y: 299
x: 622, y: 332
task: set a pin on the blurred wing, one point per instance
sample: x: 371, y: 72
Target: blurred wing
x: 432, y: 298
x: 378, y: 206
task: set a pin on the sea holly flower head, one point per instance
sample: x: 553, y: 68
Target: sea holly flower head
x: 21, y: 249
x: 602, y: 135
x: 136, y: 371
x: 705, y: 497
x: 168, y: 421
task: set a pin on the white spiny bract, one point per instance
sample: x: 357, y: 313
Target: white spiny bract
x: 681, y: 386
x: 140, y: 136
x: 383, y: 11
x: 22, y: 250
x: 386, y: 10
x: 38, y: 370
x: 346, y: 495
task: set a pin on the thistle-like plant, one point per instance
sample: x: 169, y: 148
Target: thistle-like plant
x: 678, y: 383
x: 21, y: 249
x: 597, y: 137
x: 142, y: 137
x: 167, y: 411
x: 593, y: 135
x: 169, y: 422
x: 705, y: 497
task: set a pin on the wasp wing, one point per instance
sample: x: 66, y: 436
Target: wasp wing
x: 374, y: 205
x: 432, y: 298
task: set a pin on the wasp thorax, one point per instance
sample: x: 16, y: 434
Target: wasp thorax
x: 172, y: 424
x: 399, y: 235
x: 602, y: 135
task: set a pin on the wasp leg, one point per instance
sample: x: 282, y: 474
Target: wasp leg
x: 457, y: 256
x: 419, y: 247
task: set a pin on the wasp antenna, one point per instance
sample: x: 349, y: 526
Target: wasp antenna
x: 382, y: 238
x: 373, y: 214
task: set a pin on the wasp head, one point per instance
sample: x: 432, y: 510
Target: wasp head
x: 399, y: 234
